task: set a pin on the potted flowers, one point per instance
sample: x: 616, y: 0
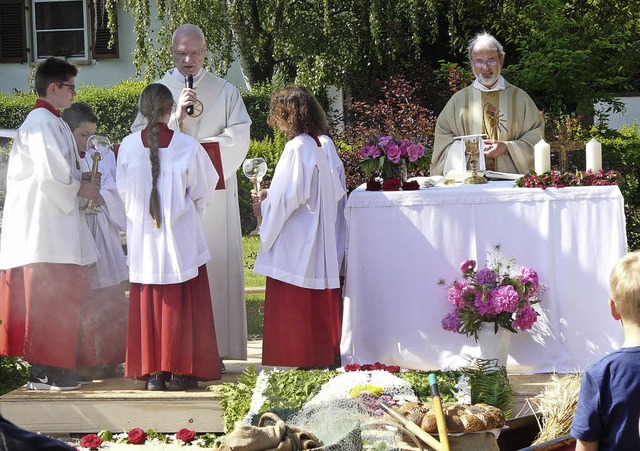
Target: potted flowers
x: 495, y: 295
x: 392, y: 158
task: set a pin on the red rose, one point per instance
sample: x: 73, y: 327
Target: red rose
x: 393, y: 369
x: 391, y: 184
x: 137, y: 436
x: 91, y: 441
x: 373, y: 185
x: 352, y: 367
x: 410, y: 186
x: 186, y: 435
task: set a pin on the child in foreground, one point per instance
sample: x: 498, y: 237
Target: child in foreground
x: 608, y: 412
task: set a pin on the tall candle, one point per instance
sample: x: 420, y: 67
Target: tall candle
x: 542, y: 157
x: 594, y: 155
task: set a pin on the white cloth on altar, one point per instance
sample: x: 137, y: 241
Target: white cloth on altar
x: 302, y: 230
x: 42, y: 221
x: 173, y: 252
x: 111, y: 267
x: 400, y: 244
x: 224, y: 120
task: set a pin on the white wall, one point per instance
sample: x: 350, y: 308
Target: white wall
x: 631, y: 113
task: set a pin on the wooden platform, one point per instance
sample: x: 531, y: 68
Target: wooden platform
x: 122, y: 404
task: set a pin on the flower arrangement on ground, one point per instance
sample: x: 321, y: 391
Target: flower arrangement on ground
x: 495, y: 293
x: 149, y: 438
x: 392, y: 158
x: 557, y: 179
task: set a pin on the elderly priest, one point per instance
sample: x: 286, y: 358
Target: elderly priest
x: 491, y: 106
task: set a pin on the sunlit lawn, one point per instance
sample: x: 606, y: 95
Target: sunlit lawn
x: 255, y: 302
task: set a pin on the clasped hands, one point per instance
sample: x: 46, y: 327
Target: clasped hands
x: 90, y: 187
x: 494, y: 148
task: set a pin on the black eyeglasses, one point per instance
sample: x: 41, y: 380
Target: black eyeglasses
x: 73, y: 87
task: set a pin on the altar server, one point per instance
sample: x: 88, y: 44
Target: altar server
x: 108, y: 301
x: 46, y: 246
x: 165, y: 179
x: 491, y: 106
x: 302, y: 238
x: 218, y: 115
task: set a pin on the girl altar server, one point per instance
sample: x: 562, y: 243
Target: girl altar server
x: 108, y: 301
x: 302, y: 238
x: 164, y: 177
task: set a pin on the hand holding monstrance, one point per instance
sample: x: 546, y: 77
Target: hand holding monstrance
x: 97, y: 146
x: 255, y: 169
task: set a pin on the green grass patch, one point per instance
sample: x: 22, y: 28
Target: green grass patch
x: 255, y: 301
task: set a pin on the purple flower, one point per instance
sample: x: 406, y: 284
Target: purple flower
x: 485, y: 303
x: 486, y: 276
x: 468, y: 266
x: 403, y: 146
x: 528, y: 275
x: 455, y: 294
x: 526, y: 318
x: 415, y: 151
x: 506, y: 299
x: 393, y: 152
x: 451, y: 322
x: 383, y: 141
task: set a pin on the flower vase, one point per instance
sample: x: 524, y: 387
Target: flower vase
x: 398, y: 171
x: 494, y: 345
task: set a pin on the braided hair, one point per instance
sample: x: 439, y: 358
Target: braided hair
x: 156, y: 101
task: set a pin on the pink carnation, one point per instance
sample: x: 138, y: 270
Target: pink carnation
x: 468, y: 266
x: 506, y: 299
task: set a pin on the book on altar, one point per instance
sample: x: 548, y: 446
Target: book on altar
x: 213, y: 150
x: 495, y: 175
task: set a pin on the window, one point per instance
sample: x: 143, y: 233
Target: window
x: 37, y: 29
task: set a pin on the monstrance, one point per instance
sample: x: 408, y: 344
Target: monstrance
x: 255, y: 169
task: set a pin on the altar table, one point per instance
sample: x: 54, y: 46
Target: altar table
x: 400, y: 244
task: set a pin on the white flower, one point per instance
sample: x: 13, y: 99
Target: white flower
x: 257, y: 398
x: 463, y: 395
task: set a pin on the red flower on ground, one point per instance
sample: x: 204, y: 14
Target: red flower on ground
x: 391, y: 184
x: 137, y: 436
x: 91, y: 441
x: 186, y: 435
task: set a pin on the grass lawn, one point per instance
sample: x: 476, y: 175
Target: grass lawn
x: 255, y: 301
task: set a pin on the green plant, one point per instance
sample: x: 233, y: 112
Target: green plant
x: 14, y: 373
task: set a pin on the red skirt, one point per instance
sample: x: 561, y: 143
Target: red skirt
x: 45, y: 313
x: 171, y: 329
x: 302, y: 326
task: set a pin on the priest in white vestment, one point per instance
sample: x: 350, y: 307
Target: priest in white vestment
x: 492, y: 106
x: 222, y: 118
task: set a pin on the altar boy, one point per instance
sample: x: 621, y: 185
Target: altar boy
x: 46, y: 245
x: 608, y: 412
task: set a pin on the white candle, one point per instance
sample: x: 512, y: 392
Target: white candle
x: 542, y: 157
x: 594, y: 155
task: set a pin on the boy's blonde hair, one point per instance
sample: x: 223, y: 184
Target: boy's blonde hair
x: 624, y: 286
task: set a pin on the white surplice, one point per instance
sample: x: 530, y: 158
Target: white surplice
x: 224, y: 120
x: 173, y: 252
x: 302, y: 230
x: 111, y: 267
x: 42, y: 221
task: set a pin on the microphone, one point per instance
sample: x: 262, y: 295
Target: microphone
x: 188, y: 81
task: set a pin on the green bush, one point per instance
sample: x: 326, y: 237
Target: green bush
x: 14, y: 373
x: 257, y: 103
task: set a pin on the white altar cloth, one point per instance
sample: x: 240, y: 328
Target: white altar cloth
x: 399, y: 244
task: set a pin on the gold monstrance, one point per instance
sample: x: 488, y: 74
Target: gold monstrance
x: 472, y: 150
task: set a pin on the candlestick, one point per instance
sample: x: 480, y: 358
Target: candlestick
x: 594, y: 155
x: 542, y: 157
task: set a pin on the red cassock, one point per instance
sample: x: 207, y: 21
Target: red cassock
x: 171, y: 329
x: 44, y: 309
x: 288, y: 340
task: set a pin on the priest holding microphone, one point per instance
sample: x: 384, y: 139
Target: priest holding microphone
x: 211, y: 110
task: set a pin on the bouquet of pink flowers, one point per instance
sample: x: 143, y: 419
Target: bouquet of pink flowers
x: 495, y: 293
x: 385, y: 155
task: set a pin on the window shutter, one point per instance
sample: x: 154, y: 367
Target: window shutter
x: 13, y: 39
x: 100, y: 34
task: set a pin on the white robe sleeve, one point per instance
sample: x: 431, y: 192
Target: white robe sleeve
x: 201, y: 180
x: 290, y: 188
